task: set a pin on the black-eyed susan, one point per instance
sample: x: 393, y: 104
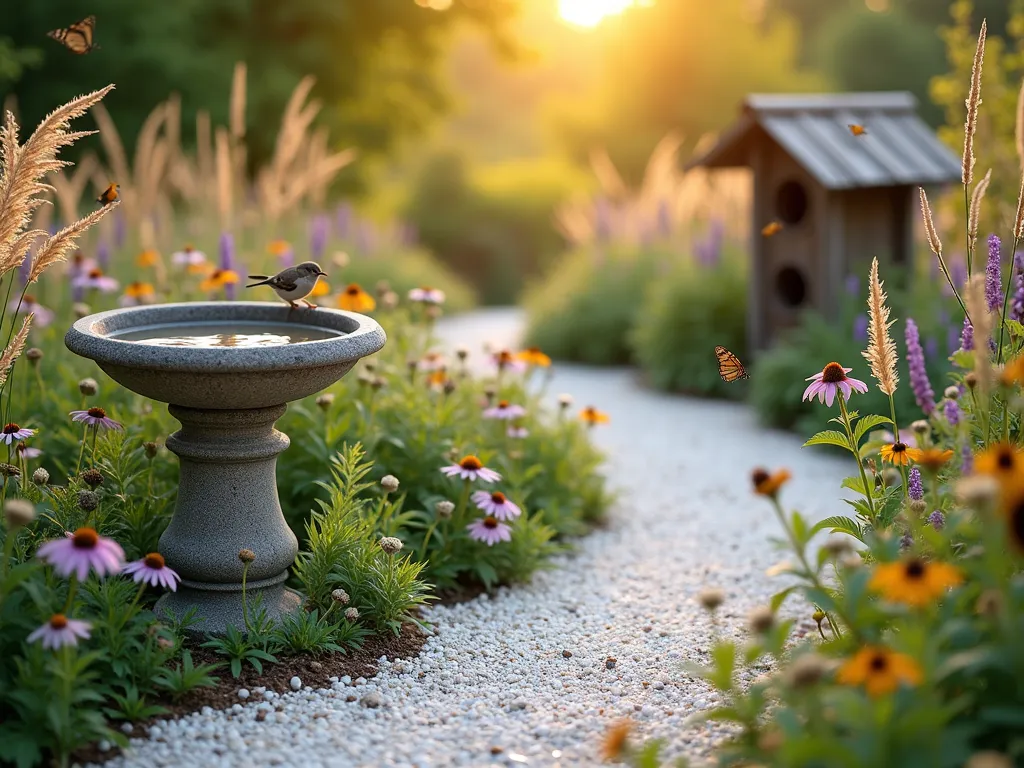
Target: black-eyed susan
x: 137, y: 293
x: 148, y: 258
x: 899, y: 453
x: 280, y: 249
x: 931, y: 459
x: 1002, y: 461
x: 355, y: 299
x: 533, y: 356
x: 218, y: 279
x: 320, y: 288
x: 615, y: 740
x: 591, y: 416
x: 879, y: 670
x: 1011, y: 508
x: 913, y: 581
x: 1013, y: 372
x: 769, y: 484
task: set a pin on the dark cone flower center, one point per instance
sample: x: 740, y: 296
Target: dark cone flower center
x: 503, y: 404
x: 1005, y: 458
x: 29, y: 300
x: 353, y: 290
x: 1016, y: 520
x: 914, y: 570
x: 154, y: 560
x: 97, y: 413
x: 471, y: 462
x: 490, y: 522
x: 759, y: 476
x: 899, y: 447
x: 498, y: 497
x: 879, y: 663
x: 94, y: 273
x: 58, y: 621
x: 10, y: 429
x: 85, y: 538
x: 833, y: 373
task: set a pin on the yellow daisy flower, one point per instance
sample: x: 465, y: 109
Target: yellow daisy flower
x: 931, y: 459
x: 880, y: 670
x: 148, y: 258
x: 592, y: 416
x: 766, y: 484
x: 1002, y: 461
x: 533, y: 356
x: 914, y: 581
x: 898, y: 453
x: 279, y: 248
x: 1011, y: 508
x: 355, y: 299
x: 320, y: 289
x: 218, y: 279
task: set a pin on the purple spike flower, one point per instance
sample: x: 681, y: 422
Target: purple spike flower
x: 993, y: 279
x: 914, y: 486
x: 343, y: 220
x: 1017, y: 304
x: 906, y: 541
x: 966, y: 460
x: 318, y: 234
x: 103, y: 254
x: 952, y: 411
x: 919, y: 383
x: 852, y: 285
x: 860, y: 328
x: 967, y: 336
x: 937, y: 520
x: 120, y: 228
x: 226, y: 258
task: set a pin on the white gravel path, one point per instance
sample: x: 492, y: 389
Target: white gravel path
x: 495, y: 686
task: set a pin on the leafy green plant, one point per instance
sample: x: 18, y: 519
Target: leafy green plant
x: 185, y: 677
x: 132, y: 706
x: 307, y: 632
x: 239, y: 648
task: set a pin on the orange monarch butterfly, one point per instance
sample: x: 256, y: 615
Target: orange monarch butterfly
x: 772, y: 228
x: 857, y: 130
x: 729, y: 366
x: 77, y: 38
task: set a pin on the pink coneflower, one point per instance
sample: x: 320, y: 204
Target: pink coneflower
x: 80, y: 265
x: 12, y: 433
x: 60, y: 631
x: 471, y: 468
x: 28, y: 452
x: 517, y: 432
x: 505, y: 410
x: 489, y: 530
x: 496, y: 505
x: 188, y: 257
x: 29, y: 306
x: 83, y: 550
x: 95, y: 279
x: 504, y: 360
x: 95, y: 417
x: 153, y: 571
x: 427, y: 295
x: 433, y: 361
x: 832, y: 380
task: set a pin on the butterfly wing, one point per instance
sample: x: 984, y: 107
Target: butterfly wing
x: 57, y: 34
x: 729, y: 366
x: 78, y: 37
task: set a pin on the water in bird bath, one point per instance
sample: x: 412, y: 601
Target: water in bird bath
x: 224, y: 334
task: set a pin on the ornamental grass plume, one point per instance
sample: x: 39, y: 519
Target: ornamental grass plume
x: 922, y: 388
x: 974, y: 210
x: 881, y: 351
x: 973, y: 102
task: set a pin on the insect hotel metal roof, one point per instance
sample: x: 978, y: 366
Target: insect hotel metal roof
x: 897, y: 149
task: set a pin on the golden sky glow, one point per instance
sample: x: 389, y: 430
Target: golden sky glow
x: 590, y: 13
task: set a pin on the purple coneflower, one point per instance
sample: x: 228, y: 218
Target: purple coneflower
x: 27, y: 452
x: 504, y: 360
x: 952, y: 412
x: 914, y: 487
x: 829, y: 382
x: 505, y: 410
x: 993, y: 279
x: 12, y: 433
x: 471, y: 468
x: 433, y: 361
x: 517, y: 433
x: 923, y: 394
x: 937, y: 520
x: 81, y: 551
x: 29, y: 305
x: 188, y: 257
x: 489, y: 530
x: 967, y: 336
x: 60, y: 631
x: 496, y: 505
x: 153, y: 570
x: 427, y: 295
x: 94, y: 279
x: 95, y: 417
x: 860, y: 327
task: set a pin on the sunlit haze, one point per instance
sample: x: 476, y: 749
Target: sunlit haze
x: 589, y: 13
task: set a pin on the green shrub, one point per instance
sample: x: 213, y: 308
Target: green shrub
x: 685, y: 315
x: 586, y: 308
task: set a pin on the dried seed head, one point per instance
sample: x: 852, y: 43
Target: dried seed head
x: 151, y: 449
x: 40, y: 477
x: 340, y: 596
x: 851, y: 560
x: 920, y: 427
x: 989, y: 604
x: 382, y: 287
x: 444, y: 509
x: 9, y: 470
x: 489, y: 393
x: 837, y: 546
x: 391, y: 545
x: 433, y: 312
x: 88, y: 500
x: 917, y: 507
x: 952, y: 393
x: 378, y: 383
x: 370, y: 366
x: 971, y: 380
x: 325, y: 401
x: 246, y: 555
x: 565, y: 401
x: 92, y: 477
x: 34, y: 354
x: 806, y: 671
x: 761, y: 619
x: 462, y: 352
x: 412, y: 364
x: 364, y: 378
x: 164, y: 644
x: 88, y: 387
x: 389, y: 483
x: 81, y: 310
x: 449, y: 386
x: 977, y: 491
x: 389, y: 300
x: 711, y: 599
x: 18, y: 513
x: 352, y: 614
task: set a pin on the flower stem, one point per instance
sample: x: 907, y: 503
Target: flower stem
x: 245, y: 605
x: 1006, y: 298
x: 856, y: 455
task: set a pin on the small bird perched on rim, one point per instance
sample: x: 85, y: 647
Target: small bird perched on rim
x: 109, y: 194
x: 293, y: 284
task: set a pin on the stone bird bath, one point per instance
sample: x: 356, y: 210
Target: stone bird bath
x: 226, y: 370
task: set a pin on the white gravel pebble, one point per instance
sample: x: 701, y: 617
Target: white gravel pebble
x: 243, y: 693
x: 492, y: 686
x: 295, y: 683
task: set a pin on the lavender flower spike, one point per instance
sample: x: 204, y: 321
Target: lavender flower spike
x: 952, y: 411
x: 967, y: 336
x: 914, y: 487
x: 1017, y: 303
x: 993, y: 280
x: 919, y: 383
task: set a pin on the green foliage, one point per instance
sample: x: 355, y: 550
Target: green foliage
x: 307, y: 632
x: 685, y: 315
x: 586, y: 308
x: 185, y: 677
x: 493, y: 226
x: 240, y: 648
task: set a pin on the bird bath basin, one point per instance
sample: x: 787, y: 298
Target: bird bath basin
x: 226, y: 370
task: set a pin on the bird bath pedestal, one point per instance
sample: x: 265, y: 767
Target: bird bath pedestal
x: 227, y: 371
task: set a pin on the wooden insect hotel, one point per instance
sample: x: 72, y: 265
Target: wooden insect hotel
x: 841, y: 198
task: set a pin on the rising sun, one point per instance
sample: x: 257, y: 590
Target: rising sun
x: 590, y: 13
